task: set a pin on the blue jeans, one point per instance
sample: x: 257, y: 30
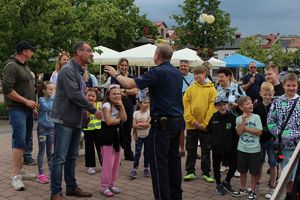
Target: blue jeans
x: 21, y: 121
x: 267, y: 147
x: 45, y: 138
x: 138, y: 151
x: 66, y: 147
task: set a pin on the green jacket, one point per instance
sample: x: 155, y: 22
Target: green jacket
x: 17, y: 76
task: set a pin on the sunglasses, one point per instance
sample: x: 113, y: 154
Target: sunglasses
x: 252, y: 67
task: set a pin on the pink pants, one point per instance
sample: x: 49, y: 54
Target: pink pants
x: 110, y: 166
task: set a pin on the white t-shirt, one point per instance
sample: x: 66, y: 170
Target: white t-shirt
x: 113, y: 111
x: 141, y: 117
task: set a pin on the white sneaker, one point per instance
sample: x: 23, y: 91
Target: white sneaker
x: 237, y: 174
x: 27, y: 176
x: 17, y: 183
x: 223, y: 169
x: 91, y: 170
x: 269, y: 194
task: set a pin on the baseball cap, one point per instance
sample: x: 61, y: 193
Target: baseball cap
x: 24, y: 45
x: 221, y: 99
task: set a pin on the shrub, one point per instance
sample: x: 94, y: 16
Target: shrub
x: 3, y: 110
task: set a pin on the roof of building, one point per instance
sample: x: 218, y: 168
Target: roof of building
x: 160, y: 23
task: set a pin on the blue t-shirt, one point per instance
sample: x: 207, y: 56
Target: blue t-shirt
x: 248, y: 142
x: 187, y: 81
x: 165, y: 89
x: 253, y: 90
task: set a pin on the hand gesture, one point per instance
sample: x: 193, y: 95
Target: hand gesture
x: 110, y: 70
x: 98, y: 114
x: 32, y: 104
x: 252, y: 79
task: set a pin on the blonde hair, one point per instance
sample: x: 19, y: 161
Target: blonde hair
x: 272, y: 67
x: 290, y: 77
x: 266, y: 86
x: 60, y: 55
x: 200, y: 70
x: 242, y: 100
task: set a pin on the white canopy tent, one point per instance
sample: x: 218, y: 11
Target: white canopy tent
x: 216, y: 63
x: 186, y: 54
x: 107, y: 57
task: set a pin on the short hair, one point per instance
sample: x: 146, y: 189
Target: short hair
x: 122, y: 60
x: 165, y: 51
x: 78, y: 46
x: 272, y: 67
x: 290, y: 77
x: 200, y: 69
x: 184, y: 61
x: 267, y: 86
x: 207, y: 65
x: 224, y: 70
x: 252, y: 62
x: 242, y: 100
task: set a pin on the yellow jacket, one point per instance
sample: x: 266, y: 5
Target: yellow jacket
x: 198, y: 102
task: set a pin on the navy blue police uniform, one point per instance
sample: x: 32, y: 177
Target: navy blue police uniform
x: 165, y: 90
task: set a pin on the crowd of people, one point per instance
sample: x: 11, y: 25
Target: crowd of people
x: 168, y: 112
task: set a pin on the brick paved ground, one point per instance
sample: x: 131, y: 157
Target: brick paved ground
x: 139, y: 188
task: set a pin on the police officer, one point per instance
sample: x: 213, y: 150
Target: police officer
x: 165, y: 85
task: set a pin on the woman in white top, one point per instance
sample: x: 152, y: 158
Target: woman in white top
x: 62, y: 59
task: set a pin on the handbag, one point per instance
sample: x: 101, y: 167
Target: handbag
x: 278, y: 147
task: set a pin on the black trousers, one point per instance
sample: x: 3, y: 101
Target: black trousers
x: 125, y: 131
x: 230, y: 158
x: 92, y: 141
x: 192, y: 137
x: 165, y: 161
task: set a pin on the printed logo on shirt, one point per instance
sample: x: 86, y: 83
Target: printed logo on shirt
x: 228, y: 125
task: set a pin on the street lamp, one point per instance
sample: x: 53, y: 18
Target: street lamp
x: 205, y: 18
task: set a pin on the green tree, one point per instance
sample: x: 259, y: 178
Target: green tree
x: 203, y: 35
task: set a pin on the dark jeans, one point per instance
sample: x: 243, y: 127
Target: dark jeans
x: 165, y: 161
x: 125, y: 131
x: 138, y: 151
x: 230, y: 158
x: 92, y: 141
x: 66, y: 147
x: 192, y: 137
x: 45, y: 138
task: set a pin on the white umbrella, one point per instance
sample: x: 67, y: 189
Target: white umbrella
x: 186, y: 54
x: 217, y: 63
x: 107, y: 57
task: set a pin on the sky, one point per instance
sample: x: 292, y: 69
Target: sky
x: 249, y: 16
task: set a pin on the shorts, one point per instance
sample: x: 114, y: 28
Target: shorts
x: 248, y: 162
x: 267, y: 147
x: 21, y: 121
x: 287, y: 155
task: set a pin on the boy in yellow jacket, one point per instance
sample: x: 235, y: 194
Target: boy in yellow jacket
x: 198, y: 102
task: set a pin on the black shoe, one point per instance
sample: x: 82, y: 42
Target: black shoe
x: 220, y: 189
x: 29, y: 161
x: 228, y: 187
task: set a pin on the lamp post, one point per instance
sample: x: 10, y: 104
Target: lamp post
x: 205, y: 18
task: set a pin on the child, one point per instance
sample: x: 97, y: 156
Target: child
x: 141, y: 126
x: 249, y: 128
x: 272, y: 76
x: 223, y: 140
x: 277, y: 116
x: 92, y: 133
x: 266, y: 139
x: 198, y: 102
x: 113, y: 113
x: 45, y: 129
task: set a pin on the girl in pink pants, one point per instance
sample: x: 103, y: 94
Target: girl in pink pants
x: 113, y: 113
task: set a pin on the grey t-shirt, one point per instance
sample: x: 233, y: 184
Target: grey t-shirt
x: 248, y: 142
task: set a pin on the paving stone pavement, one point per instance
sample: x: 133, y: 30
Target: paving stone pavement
x: 138, y: 189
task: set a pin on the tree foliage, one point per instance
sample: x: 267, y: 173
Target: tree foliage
x: 55, y: 25
x: 201, y: 35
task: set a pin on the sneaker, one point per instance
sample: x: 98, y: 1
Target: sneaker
x: 17, y: 183
x: 220, y: 189
x: 115, y: 190
x: 190, y: 177
x: 269, y: 194
x: 106, y: 192
x: 237, y: 174
x: 223, y: 169
x: 29, y: 161
x: 146, y: 172
x: 241, y: 192
x: 27, y: 176
x: 208, y: 179
x: 133, y: 174
x: 43, y: 179
x: 227, y: 187
x: 91, y: 170
x: 251, y: 195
